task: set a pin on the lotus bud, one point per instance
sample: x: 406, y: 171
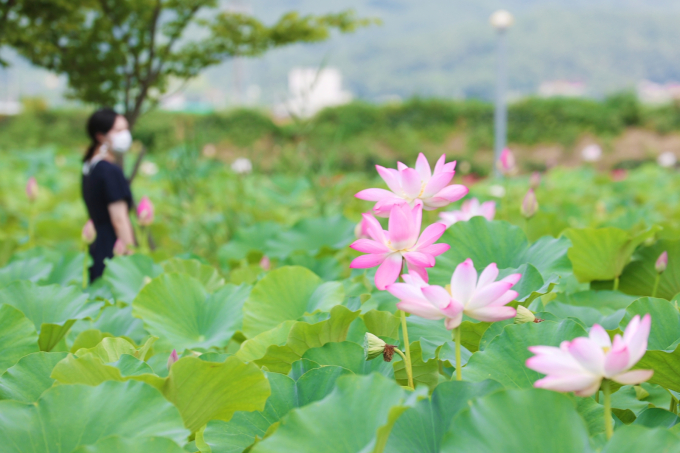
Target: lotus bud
x: 173, y: 358
x: 506, y: 163
x: 119, y: 248
x: 529, y: 204
x: 373, y: 346
x: 265, y: 263
x: 89, y: 233
x: 145, y: 212
x: 535, y: 180
x: 524, y: 315
x: 32, y: 189
x: 661, y: 262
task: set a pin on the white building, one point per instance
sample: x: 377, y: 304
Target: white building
x: 564, y: 88
x: 311, y: 90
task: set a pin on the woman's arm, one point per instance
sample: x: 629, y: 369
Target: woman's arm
x: 118, y: 211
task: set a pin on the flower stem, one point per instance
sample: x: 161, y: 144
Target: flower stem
x: 407, y: 348
x: 609, y: 430
x: 31, y: 225
x: 616, y: 283
x: 409, y: 373
x: 86, y: 276
x: 459, y: 367
x: 656, y: 284
x: 674, y: 405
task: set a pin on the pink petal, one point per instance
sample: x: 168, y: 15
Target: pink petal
x: 419, y: 271
x: 437, y: 295
x: 374, y: 194
x: 435, y: 249
x: 417, y: 213
x: 414, y: 279
x: 584, y: 384
x: 487, y: 295
x: 419, y: 259
x: 401, y: 166
x: 506, y: 298
x: 402, y: 228
x: 448, y: 218
x: 391, y: 178
x: 491, y: 314
x: 488, y: 210
x: 366, y: 261
x: 452, y: 323
x: 424, y: 309
x: 464, y: 281
x: 588, y: 354
x: 369, y: 246
x: 552, y: 361
x: 633, y: 377
x: 453, y: 310
x: 636, y: 338
x: 600, y: 336
x: 373, y: 228
x: 512, y: 279
x: 423, y: 167
x: 452, y: 193
x: 405, y: 291
x: 431, y: 234
x: 450, y: 167
x: 389, y: 271
x: 410, y: 182
x: 439, y: 166
x: 488, y: 275
x: 383, y: 207
x: 437, y: 183
x: 616, y: 360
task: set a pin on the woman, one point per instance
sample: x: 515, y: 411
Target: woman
x: 105, y: 190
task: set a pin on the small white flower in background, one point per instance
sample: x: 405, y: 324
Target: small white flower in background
x: 242, y: 166
x: 497, y: 191
x: 591, y: 153
x: 149, y: 168
x: 667, y: 159
x: 209, y: 150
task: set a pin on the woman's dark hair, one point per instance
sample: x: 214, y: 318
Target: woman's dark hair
x: 100, y: 122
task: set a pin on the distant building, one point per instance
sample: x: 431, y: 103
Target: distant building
x: 10, y: 107
x: 655, y: 93
x: 564, y: 88
x: 311, y: 90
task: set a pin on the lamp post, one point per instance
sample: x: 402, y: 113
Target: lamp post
x: 501, y: 20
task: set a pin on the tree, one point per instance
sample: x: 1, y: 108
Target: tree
x: 125, y: 52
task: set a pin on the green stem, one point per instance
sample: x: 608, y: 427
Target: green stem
x: 656, y: 284
x: 609, y: 430
x: 674, y: 405
x: 597, y: 396
x: 31, y: 225
x: 616, y: 283
x: 459, y: 367
x: 86, y: 277
x: 409, y: 372
x: 407, y: 348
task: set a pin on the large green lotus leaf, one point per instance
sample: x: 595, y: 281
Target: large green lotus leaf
x: 246, y: 427
x: 18, y: 337
x: 304, y: 336
x: 636, y: 439
x: 424, y: 371
x: 601, y: 254
x: 117, y: 444
x: 286, y: 294
x: 503, y: 360
x: 207, y: 275
x: 349, y: 420
x: 204, y: 391
x: 422, y: 427
x: 177, y: 309
x: 349, y: 356
x: 544, y: 224
x: 35, y: 269
x: 109, y: 349
x: 256, y: 347
x: 639, y: 276
x: 382, y: 323
x: 127, y: 275
x: 53, y: 309
x: 69, y: 269
x: 119, y: 322
x: 655, y: 417
x: 88, y: 339
x: 606, y: 308
x: 528, y: 421
x: 665, y: 329
x: 666, y: 366
x: 245, y: 241
x: 30, y: 377
x: 311, y: 235
x: 92, y: 370
x: 68, y: 416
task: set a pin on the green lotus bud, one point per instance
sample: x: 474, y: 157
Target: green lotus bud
x: 525, y: 315
x: 529, y: 205
x: 373, y: 346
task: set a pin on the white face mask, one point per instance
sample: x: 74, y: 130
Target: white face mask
x: 121, y: 141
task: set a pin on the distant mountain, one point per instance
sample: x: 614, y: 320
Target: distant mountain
x: 447, y: 48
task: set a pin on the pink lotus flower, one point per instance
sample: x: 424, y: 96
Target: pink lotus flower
x: 172, y: 358
x: 470, y: 209
x: 119, y: 248
x: 89, y: 234
x: 661, y: 262
x: 402, y: 241
x: 32, y: 189
x: 580, y: 365
x: 415, y: 186
x: 483, y: 299
x: 506, y: 163
x: 145, y: 212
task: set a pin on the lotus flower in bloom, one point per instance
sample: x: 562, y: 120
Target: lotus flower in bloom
x: 402, y: 241
x: 415, y: 186
x: 89, y: 233
x: 32, y: 188
x: 470, y: 209
x: 481, y: 298
x: 145, y: 212
x: 580, y: 365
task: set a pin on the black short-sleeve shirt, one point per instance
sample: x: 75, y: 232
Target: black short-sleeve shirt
x: 103, y: 183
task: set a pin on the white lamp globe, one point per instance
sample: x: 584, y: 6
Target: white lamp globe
x: 501, y: 19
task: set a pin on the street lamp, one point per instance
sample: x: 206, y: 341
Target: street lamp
x: 501, y: 21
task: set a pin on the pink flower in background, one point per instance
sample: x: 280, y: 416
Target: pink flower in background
x: 468, y: 210
x: 173, y: 358
x: 506, y: 163
x: 402, y: 241
x: 89, y: 233
x: 265, y: 263
x: 535, y: 180
x: 32, y: 189
x: 580, y: 365
x: 361, y: 230
x: 483, y: 299
x: 529, y: 205
x: 661, y: 262
x: 145, y: 212
x: 619, y: 174
x: 415, y: 186
x: 119, y: 248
